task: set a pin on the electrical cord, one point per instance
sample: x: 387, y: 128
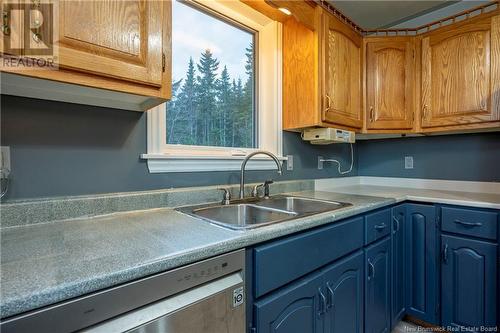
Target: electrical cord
x: 339, y: 165
x: 4, y: 177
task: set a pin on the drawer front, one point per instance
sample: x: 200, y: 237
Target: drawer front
x: 470, y: 222
x: 282, y: 261
x: 377, y: 225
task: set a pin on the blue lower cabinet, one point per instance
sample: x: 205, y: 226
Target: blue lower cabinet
x: 298, y: 308
x: 398, y: 250
x: 345, y: 295
x: 469, y: 282
x: 378, y: 287
x: 422, y: 275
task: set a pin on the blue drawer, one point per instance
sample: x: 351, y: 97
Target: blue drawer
x: 470, y: 222
x: 377, y: 225
x: 282, y: 261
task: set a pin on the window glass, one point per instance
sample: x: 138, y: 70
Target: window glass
x: 213, y: 95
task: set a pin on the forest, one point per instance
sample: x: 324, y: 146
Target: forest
x: 212, y: 109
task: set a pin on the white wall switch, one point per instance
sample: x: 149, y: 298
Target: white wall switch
x: 408, y: 162
x: 289, y: 162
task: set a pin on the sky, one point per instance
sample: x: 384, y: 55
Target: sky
x: 193, y: 32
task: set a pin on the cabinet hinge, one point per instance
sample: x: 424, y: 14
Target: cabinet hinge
x: 163, y: 62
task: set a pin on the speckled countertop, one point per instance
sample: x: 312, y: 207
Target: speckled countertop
x: 46, y: 263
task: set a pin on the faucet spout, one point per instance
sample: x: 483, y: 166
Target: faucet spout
x: 243, y: 165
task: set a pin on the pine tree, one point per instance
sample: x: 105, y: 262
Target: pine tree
x: 224, y: 97
x: 248, y: 99
x: 173, y: 113
x: 207, y: 67
x: 188, y: 104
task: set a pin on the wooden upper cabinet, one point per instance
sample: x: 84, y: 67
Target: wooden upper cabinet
x: 120, y: 39
x: 461, y: 74
x: 390, y: 77
x: 109, y: 53
x: 341, y: 74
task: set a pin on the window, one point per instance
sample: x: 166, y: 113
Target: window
x: 226, y: 96
x: 213, y: 81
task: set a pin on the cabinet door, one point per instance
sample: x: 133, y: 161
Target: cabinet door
x: 342, y: 74
x: 299, y: 308
x: 461, y: 74
x: 469, y: 277
x: 121, y: 39
x: 421, y: 263
x: 390, y: 77
x: 378, y: 287
x: 344, y: 287
x: 398, y: 306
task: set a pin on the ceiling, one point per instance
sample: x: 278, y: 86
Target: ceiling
x: 383, y: 14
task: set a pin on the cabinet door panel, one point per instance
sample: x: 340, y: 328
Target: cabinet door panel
x: 115, y: 38
x: 421, y: 263
x: 296, y: 309
x: 398, y: 305
x: 460, y: 74
x: 342, y: 67
x: 378, y: 287
x: 469, y: 278
x: 345, y: 295
x: 389, y: 84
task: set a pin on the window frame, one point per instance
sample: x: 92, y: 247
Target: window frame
x: 163, y: 157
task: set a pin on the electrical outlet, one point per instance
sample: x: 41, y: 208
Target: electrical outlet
x: 289, y: 162
x: 5, y: 159
x: 408, y: 162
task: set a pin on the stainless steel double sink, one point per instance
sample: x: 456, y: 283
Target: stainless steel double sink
x: 253, y: 212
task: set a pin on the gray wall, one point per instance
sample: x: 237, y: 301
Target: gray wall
x: 474, y: 157
x: 68, y: 149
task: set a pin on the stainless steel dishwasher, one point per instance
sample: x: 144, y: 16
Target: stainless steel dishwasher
x: 205, y: 297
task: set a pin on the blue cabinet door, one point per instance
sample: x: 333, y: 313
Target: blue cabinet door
x: 344, y: 288
x: 298, y: 308
x: 421, y: 276
x: 469, y: 278
x: 398, y: 305
x: 378, y: 287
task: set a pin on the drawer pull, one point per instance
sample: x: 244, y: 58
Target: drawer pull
x: 380, y: 226
x: 468, y: 224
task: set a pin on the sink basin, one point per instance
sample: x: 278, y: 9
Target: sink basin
x: 239, y: 216
x: 302, y: 206
x: 253, y: 212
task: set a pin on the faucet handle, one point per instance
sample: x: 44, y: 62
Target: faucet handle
x: 255, y: 190
x: 226, y: 196
x: 266, y: 187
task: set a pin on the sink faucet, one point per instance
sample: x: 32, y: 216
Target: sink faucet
x: 249, y: 156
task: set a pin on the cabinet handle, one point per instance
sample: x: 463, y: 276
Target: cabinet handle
x: 322, y: 303
x: 330, y: 296
x: 396, y: 223
x: 371, y: 270
x: 5, y: 23
x: 380, y: 227
x: 328, y: 103
x: 468, y: 224
x: 371, y: 114
x: 445, y: 253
